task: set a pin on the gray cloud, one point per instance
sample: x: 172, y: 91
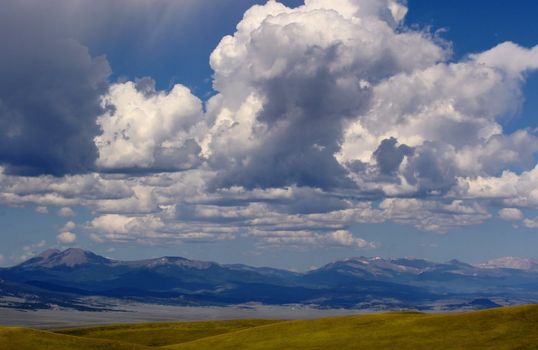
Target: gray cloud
x: 430, y: 170
x: 389, y: 156
x: 50, y: 90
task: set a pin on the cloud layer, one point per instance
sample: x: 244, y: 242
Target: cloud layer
x: 325, y: 116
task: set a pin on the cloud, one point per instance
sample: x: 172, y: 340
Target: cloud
x: 279, y: 117
x: 69, y: 226
x: 453, y: 132
x: 510, y: 188
x: 346, y: 239
x: 302, y: 239
x: 66, y: 237
x: 512, y: 214
x: 42, y: 210
x: 66, y: 211
x: 145, y: 129
x: 29, y: 251
x: 325, y: 116
x: 389, y: 157
x: 51, y: 83
x: 116, y: 227
x: 531, y: 223
x: 509, y: 57
x: 49, y: 96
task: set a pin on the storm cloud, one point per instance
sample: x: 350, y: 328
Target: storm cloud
x: 50, y: 90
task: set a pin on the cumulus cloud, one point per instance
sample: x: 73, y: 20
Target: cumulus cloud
x: 69, y: 226
x: 66, y: 211
x: 346, y: 239
x: 511, y: 214
x: 116, y: 227
x: 509, y: 187
x: 510, y: 57
x: 288, y: 86
x: 146, y: 129
x: 67, y: 237
x: 339, y: 238
x: 42, y: 210
x: 325, y: 116
x: 531, y: 223
x: 453, y: 132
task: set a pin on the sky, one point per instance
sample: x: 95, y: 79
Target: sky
x: 286, y: 134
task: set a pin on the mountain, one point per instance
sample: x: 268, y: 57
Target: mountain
x: 69, y: 258
x: 71, y: 276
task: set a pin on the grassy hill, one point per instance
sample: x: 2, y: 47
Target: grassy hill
x: 506, y: 328
x: 160, y: 334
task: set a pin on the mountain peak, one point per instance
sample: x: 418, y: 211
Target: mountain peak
x: 49, y: 252
x: 457, y: 262
x: 69, y: 258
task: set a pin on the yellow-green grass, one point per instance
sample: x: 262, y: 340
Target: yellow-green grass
x: 29, y: 339
x: 159, y: 334
x: 509, y: 328
x: 506, y: 328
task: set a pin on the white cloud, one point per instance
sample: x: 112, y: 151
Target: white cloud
x: 41, y: 210
x: 531, y: 223
x: 142, y: 200
x: 451, y: 132
x: 149, y: 129
x: 111, y: 223
x: 69, y: 226
x: 66, y: 211
x: 116, y: 227
x: 512, y: 214
x: 302, y: 239
x: 277, y: 113
x: 346, y: 239
x: 510, y: 57
x: 511, y: 188
x: 67, y: 237
x: 2, y: 259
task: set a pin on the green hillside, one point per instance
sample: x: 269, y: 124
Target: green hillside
x: 26, y: 339
x: 160, y: 334
x: 506, y: 328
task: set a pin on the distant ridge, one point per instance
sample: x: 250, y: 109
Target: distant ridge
x: 72, y: 257
x: 64, y: 277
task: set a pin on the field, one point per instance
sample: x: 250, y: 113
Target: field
x: 505, y: 328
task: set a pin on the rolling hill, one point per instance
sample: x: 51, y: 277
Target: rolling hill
x: 502, y: 328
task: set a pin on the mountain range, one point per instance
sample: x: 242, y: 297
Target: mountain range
x: 73, y: 278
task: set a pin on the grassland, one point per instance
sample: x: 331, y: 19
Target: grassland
x: 160, y: 334
x: 506, y: 328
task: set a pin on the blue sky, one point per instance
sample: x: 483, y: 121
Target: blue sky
x: 307, y: 165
